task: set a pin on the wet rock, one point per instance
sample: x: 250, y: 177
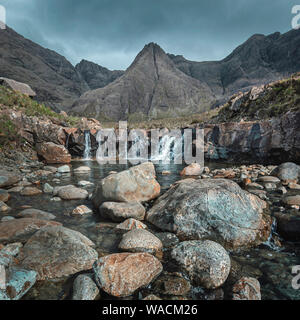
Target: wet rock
x: 268, y: 179
x: 30, y: 191
x: 262, y: 194
x: 215, y: 209
x: 130, y: 224
x: 84, y: 183
x: 288, y: 226
x: 270, y: 186
x: 81, y: 210
x: 152, y: 297
x: 294, y: 186
x: 8, y: 179
x: 72, y: 193
x: 51, y: 169
x: 4, y: 207
x: 172, y: 285
x: 168, y: 239
x: 255, y: 185
x: 119, y: 211
x: 12, y: 249
x: 7, y: 218
x: 48, y: 188
x: 84, y: 288
x: 64, y: 169
x: 194, y: 169
x: 246, y: 289
x: 18, y: 283
x: 22, y: 229
x: 82, y: 169
x: 55, y: 251
x: 4, y: 195
x: 287, y: 172
x: 292, y: 200
x: 53, y: 153
x: 140, y: 240
x: 206, y: 262
x: 35, y: 213
x: 15, y: 189
x: 121, y: 274
x: 137, y: 184
x: 282, y: 190
x: 56, y: 199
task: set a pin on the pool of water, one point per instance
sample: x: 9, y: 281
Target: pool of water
x: 272, y: 267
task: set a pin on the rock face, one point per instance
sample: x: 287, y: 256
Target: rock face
x: 206, y: 262
x: 137, y: 184
x: 121, y: 274
x: 22, y: 229
x: 120, y: 211
x: 96, y: 76
x: 151, y: 86
x: 247, y: 289
x: 140, y: 240
x: 215, y: 209
x: 288, y: 172
x: 55, y: 251
x: 53, y: 153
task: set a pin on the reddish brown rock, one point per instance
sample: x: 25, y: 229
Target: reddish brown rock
x: 121, y: 274
x: 194, y: 169
x: 30, y: 191
x: 53, y: 153
x: 247, y: 289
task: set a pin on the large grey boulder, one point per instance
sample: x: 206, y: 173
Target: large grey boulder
x: 136, y: 184
x: 214, y: 209
x: 206, y: 262
x: 54, y: 252
x: 287, y: 172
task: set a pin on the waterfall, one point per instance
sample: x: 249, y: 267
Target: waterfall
x: 270, y: 242
x: 87, y: 145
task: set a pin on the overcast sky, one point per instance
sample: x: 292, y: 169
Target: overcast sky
x: 112, y: 32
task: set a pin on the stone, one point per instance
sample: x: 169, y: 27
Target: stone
x: 130, y: 224
x: 288, y: 226
x: 8, y: 178
x: 35, y: 213
x: 194, y: 169
x: 7, y: 218
x: 268, y: 179
x: 292, y: 200
x: 246, y: 289
x: 270, y: 186
x: 287, y: 172
x: 53, y: 153
x: 172, y: 285
x: 4, y: 207
x: 255, y: 185
x: 81, y: 210
x: 84, y: 183
x: 121, y: 274
x: 51, y: 169
x: 262, y: 194
x: 72, y: 193
x: 214, y: 209
x: 206, y: 262
x: 168, y: 239
x: 4, y: 195
x: 152, y: 297
x: 120, y: 211
x: 12, y: 249
x: 291, y: 185
x: 15, y: 189
x: 30, y: 191
x: 82, y: 169
x: 136, y: 184
x: 54, y: 252
x: 140, y: 240
x: 48, y: 188
x: 84, y: 288
x: 64, y: 169
x: 19, y: 282
x: 22, y: 229
x: 56, y: 199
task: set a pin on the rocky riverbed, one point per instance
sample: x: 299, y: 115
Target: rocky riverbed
x: 84, y: 231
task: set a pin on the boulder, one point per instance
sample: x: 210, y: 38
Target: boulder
x: 53, y: 153
x: 121, y: 274
x: 214, y: 209
x: 288, y: 226
x: 30, y: 191
x: 54, y: 252
x: 206, y: 262
x: 287, y: 172
x: 140, y: 240
x: 72, y: 193
x: 246, y: 289
x: 137, y: 184
x: 22, y: 229
x: 120, y: 211
x: 35, y: 213
x: 84, y: 288
x: 194, y: 169
x: 8, y: 178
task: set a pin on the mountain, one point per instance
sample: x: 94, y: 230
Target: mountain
x: 96, y: 76
x: 261, y: 59
x: 151, y: 87
x: 50, y: 75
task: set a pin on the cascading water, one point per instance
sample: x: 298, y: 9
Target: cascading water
x: 87, y: 145
x: 167, y: 148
